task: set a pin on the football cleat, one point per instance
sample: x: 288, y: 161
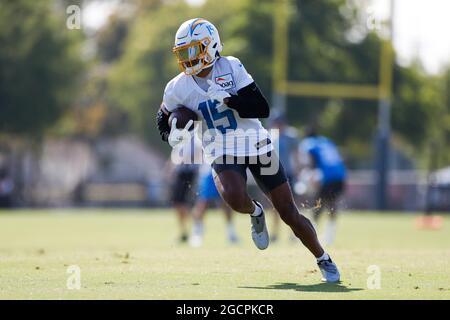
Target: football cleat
x: 183, y: 238
x: 196, y: 241
x: 260, y: 235
x: 329, y: 271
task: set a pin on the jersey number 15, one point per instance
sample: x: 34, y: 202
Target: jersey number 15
x: 212, y: 115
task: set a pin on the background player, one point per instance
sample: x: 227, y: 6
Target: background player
x: 229, y: 102
x: 324, y: 156
x: 183, y: 177
x: 287, y: 146
x: 207, y: 195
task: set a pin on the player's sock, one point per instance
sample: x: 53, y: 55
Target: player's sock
x: 197, y: 229
x: 230, y: 229
x: 196, y: 239
x: 330, y: 232
x: 258, y: 209
x: 325, y: 256
x: 231, y: 232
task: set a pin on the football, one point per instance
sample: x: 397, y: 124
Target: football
x: 183, y: 116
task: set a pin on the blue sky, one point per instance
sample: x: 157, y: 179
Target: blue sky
x: 421, y: 28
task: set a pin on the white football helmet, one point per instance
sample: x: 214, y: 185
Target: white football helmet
x: 197, y: 45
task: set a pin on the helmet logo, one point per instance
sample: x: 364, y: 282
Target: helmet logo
x: 197, y: 23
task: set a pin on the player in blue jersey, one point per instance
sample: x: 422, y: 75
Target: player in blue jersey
x: 324, y: 156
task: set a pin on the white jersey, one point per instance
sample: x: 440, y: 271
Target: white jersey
x: 223, y: 132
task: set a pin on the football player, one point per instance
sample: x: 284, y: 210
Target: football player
x: 324, y: 157
x: 208, y: 194
x: 183, y: 177
x: 229, y: 103
x: 287, y: 145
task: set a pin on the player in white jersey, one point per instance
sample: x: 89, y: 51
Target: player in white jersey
x: 228, y: 101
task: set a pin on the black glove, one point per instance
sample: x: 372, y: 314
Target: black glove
x: 162, y: 122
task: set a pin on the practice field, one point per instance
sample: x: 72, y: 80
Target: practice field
x: 132, y: 254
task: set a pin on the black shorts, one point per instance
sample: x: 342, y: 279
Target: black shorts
x: 266, y: 169
x: 329, y: 192
x: 182, y: 187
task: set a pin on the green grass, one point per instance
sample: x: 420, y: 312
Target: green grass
x: 132, y: 254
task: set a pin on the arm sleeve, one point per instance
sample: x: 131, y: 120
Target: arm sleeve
x: 249, y: 102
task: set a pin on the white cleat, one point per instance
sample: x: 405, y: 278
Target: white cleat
x: 260, y: 235
x: 330, y: 233
x: 329, y: 271
x: 196, y: 241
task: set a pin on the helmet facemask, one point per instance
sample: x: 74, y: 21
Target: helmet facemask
x: 193, y: 57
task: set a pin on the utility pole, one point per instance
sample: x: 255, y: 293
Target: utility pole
x: 280, y: 45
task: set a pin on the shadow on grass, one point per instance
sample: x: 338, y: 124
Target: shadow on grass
x: 320, y: 287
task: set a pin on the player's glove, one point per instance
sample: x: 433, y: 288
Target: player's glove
x: 215, y: 92
x: 177, y: 136
x: 162, y: 122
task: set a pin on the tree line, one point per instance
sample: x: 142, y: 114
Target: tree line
x: 49, y: 87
